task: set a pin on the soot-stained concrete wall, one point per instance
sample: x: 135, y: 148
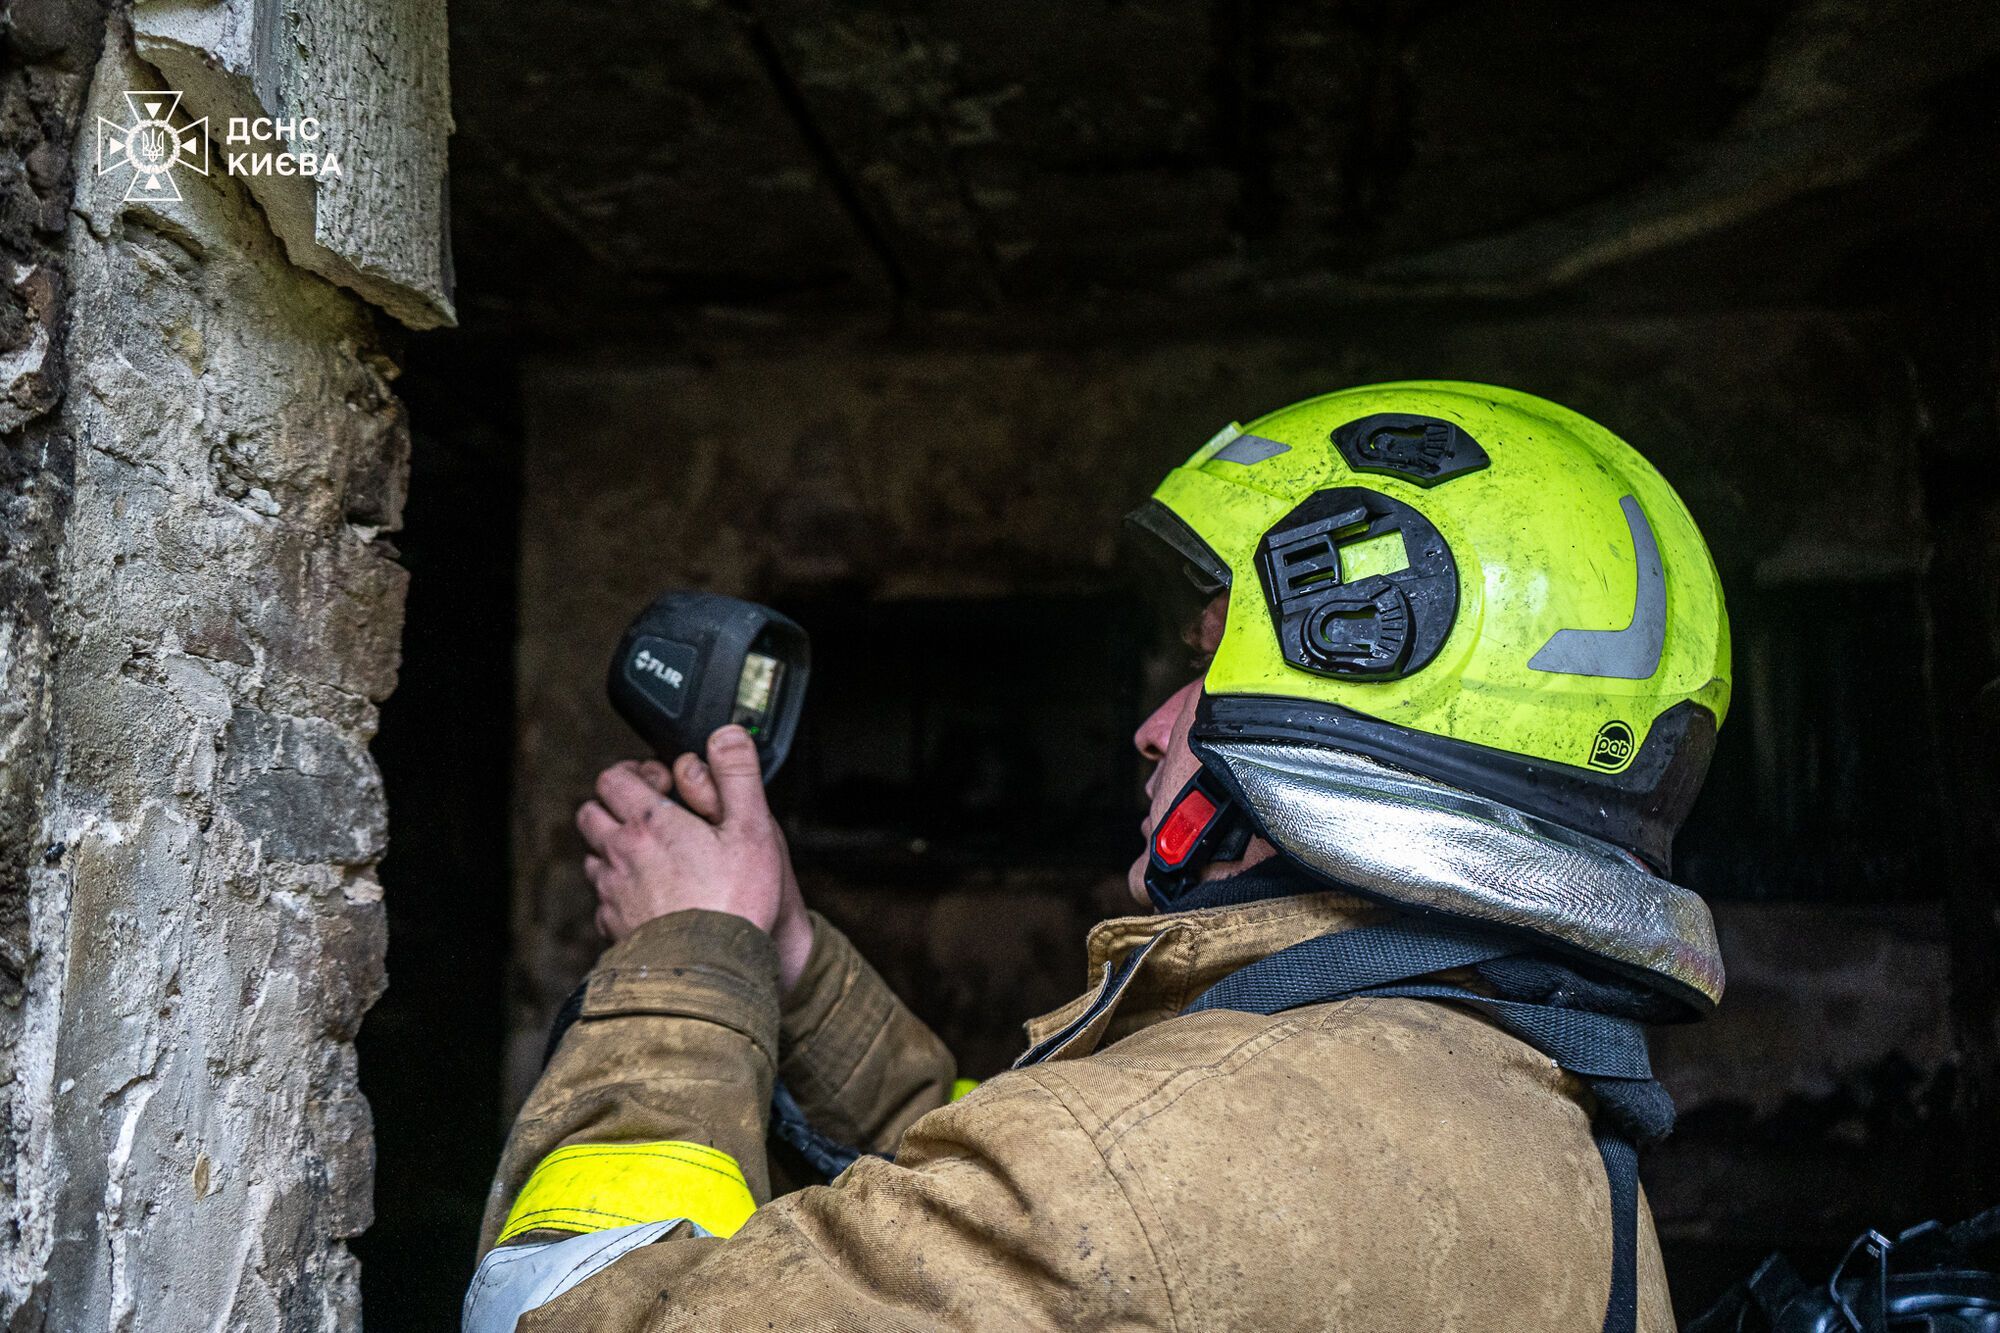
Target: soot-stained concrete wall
x: 199, y: 923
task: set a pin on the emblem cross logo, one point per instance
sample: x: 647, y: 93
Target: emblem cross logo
x: 152, y: 146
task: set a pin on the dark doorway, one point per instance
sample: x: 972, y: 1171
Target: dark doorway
x: 431, y: 1048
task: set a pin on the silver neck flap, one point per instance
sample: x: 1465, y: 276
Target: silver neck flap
x: 1398, y: 836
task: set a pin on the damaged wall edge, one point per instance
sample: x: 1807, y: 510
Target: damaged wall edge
x: 374, y: 78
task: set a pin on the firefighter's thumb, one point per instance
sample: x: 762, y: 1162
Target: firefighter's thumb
x: 732, y: 761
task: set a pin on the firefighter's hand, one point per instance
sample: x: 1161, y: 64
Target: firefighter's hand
x: 724, y: 852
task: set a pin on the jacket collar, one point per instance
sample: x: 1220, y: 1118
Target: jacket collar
x: 1149, y: 968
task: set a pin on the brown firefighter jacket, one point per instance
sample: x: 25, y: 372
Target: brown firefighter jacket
x: 1367, y: 1165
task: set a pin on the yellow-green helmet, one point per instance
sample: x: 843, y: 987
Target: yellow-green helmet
x: 1466, y: 583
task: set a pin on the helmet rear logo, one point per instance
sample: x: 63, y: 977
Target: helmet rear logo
x: 1613, y: 748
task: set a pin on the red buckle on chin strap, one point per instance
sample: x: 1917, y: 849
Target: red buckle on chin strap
x: 1203, y: 821
x: 1180, y: 832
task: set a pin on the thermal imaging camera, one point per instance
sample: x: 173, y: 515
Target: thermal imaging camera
x: 692, y: 662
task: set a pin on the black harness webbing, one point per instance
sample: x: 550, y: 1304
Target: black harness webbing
x: 822, y: 1152
x: 1604, y: 1049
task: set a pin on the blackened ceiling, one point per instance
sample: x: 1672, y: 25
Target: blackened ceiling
x: 644, y: 171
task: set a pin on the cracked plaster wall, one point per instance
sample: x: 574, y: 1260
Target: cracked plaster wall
x: 194, y: 927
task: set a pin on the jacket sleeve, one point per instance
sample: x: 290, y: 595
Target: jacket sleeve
x: 999, y: 1213
x: 862, y: 1066
x: 659, y: 1094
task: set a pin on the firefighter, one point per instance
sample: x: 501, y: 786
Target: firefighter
x: 1373, y: 1059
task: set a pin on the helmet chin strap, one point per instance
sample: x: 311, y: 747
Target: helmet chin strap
x: 1205, y: 824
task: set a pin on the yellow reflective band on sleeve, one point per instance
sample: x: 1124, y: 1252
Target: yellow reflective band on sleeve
x: 597, y: 1186
x: 961, y: 1086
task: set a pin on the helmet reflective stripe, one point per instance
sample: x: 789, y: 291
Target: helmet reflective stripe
x: 1250, y: 449
x: 1632, y: 653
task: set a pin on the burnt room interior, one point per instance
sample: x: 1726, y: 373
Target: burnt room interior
x: 886, y: 313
